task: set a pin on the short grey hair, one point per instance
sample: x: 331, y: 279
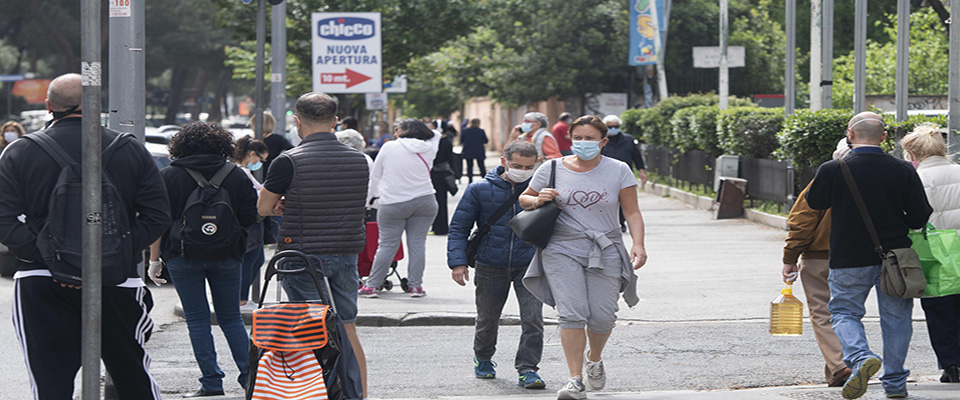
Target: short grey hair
x: 520, y: 148
x: 352, y: 138
x: 536, y: 116
x: 612, y: 119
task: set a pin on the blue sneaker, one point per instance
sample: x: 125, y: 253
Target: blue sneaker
x: 856, y: 386
x: 483, y: 369
x: 531, y: 380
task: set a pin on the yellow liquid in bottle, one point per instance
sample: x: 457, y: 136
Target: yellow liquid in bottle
x: 786, y: 315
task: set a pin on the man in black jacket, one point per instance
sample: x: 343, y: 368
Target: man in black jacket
x: 47, y: 312
x: 896, y: 203
x: 622, y: 146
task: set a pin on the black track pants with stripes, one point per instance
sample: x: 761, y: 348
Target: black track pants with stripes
x: 46, y: 318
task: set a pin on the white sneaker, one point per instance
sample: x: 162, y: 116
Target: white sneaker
x: 574, y: 390
x: 249, y: 307
x: 596, y: 376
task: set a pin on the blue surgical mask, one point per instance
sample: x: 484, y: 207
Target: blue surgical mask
x: 254, y: 166
x: 526, y: 127
x: 613, y: 131
x: 585, y: 149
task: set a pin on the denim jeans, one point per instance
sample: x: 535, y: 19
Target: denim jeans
x: 849, y: 288
x: 252, y: 261
x: 341, y: 271
x: 493, y: 287
x: 190, y: 278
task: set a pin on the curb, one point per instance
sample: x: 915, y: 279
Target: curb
x: 398, y: 319
x: 707, y: 204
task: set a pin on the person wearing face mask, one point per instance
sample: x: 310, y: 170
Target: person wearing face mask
x: 623, y: 147
x: 941, y: 183
x: 250, y: 155
x: 585, y: 266
x: 501, y: 260
x: 12, y: 130
x: 533, y: 129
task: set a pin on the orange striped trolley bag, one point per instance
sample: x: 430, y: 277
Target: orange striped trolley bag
x: 300, y: 350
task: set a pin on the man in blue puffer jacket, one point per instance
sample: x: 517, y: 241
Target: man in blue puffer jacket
x: 501, y: 261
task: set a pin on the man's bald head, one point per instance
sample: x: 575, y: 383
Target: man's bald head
x: 65, y: 92
x: 867, y: 128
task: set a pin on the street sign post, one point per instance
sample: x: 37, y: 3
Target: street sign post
x: 347, y: 52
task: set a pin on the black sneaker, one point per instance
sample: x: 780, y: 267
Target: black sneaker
x: 951, y: 374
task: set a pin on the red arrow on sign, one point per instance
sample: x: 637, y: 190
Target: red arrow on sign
x: 349, y: 78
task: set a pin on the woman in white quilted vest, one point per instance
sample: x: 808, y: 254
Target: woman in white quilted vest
x: 941, y: 182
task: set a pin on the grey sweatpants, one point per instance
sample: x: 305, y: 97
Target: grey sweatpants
x: 415, y: 216
x: 585, y: 296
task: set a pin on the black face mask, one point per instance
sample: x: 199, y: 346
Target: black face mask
x: 60, y: 114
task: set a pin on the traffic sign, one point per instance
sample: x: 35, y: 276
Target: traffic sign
x: 347, y: 52
x: 11, y: 78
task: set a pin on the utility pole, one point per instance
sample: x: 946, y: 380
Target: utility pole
x: 91, y: 291
x: 790, y: 74
x: 658, y: 48
x: 860, y: 57
x: 278, y: 78
x: 127, y: 73
x: 258, y: 86
x: 903, y: 58
x: 816, y: 44
x: 826, y: 85
x: 953, y: 124
x: 724, y: 65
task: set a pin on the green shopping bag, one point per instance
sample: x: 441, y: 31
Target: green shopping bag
x: 939, y: 252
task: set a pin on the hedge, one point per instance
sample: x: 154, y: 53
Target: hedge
x: 810, y: 137
x: 695, y: 128
x: 653, y: 125
x: 750, y: 131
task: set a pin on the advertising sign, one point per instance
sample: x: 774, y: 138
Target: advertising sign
x: 646, y: 25
x: 346, y: 52
x: 709, y: 56
x: 376, y: 101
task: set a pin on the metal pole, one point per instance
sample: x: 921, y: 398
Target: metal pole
x: 127, y: 77
x: 91, y: 204
x: 790, y: 74
x: 816, y: 42
x: 903, y: 57
x: 826, y: 85
x: 258, y: 95
x: 278, y: 79
x: 658, y: 47
x: 724, y: 65
x: 953, y: 124
x: 860, y: 57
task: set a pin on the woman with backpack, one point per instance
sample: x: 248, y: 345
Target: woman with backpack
x: 211, y: 202
x: 250, y: 155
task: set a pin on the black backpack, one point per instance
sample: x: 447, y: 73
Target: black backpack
x: 59, y: 238
x: 209, y: 229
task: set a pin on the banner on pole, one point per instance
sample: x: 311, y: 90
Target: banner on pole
x: 646, y: 24
x: 346, y: 52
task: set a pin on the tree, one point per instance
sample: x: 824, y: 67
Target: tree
x: 763, y: 40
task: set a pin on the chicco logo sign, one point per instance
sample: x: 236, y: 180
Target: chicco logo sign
x: 345, y: 28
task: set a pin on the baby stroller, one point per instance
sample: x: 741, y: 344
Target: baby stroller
x: 300, y: 350
x: 365, y: 258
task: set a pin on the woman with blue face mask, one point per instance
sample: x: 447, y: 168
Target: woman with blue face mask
x: 250, y: 155
x: 587, y: 263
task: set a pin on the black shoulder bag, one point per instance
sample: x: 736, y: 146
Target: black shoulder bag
x: 473, y: 243
x: 536, y: 226
x: 901, y: 276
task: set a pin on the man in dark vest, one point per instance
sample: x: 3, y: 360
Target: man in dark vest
x: 323, y: 184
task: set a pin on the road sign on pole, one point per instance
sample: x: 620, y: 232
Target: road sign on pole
x: 346, y: 52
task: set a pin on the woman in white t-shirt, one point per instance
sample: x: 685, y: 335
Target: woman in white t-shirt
x: 586, y: 265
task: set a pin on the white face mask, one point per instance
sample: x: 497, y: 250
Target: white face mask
x: 9, y: 137
x: 519, y: 175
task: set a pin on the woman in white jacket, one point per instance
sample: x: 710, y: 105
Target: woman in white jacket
x: 401, y: 179
x: 941, y: 182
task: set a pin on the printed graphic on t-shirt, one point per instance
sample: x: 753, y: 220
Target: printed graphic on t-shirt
x: 585, y: 199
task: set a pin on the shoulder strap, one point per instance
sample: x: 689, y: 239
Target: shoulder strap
x: 857, y: 198
x: 197, y: 176
x: 51, y: 147
x: 553, y: 174
x: 485, y: 228
x: 219, y: 177
x: 424, y: 163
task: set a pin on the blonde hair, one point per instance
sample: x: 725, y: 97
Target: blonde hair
x: 268, y: 123
x: 924, y: 141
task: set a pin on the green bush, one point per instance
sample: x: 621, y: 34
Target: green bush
x: 704, y: 128
x: 653, y: 125
x: 749, y: 131
x: 810, y: 137
x: 897, y: 130
x: 681, y: 131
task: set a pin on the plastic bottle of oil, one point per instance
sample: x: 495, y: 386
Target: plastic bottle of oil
x: 786, y: 314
